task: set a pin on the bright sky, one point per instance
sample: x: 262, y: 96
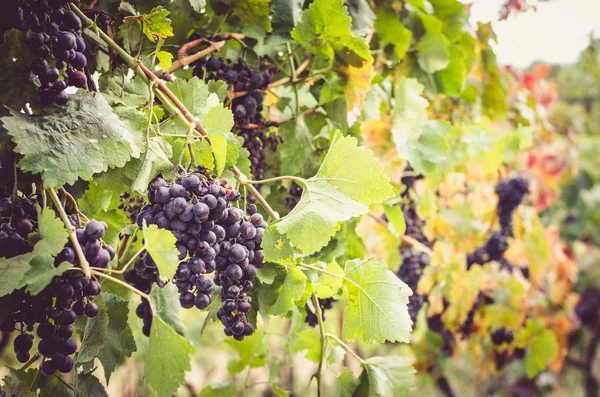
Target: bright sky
x: 556, y: 32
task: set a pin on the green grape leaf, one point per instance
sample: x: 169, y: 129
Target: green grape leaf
x: 542, y: 349
x: 409, y: 113
x: 119, y: 343
x: 13, y: 272
x: 454, y: 14
x: 253, y: 12
x: 292, y: 290
x: 392, y: 32
x: 269, y: 272
x: 217, y: 122
x: 165, y: 59
x: 325, y: 29
x: 166, y: 304
x: 332, y: 89
x: 327, y: 285
x: 339, y: 191
x: 16, y: 79
x: 395, y: 218
x: 452, y: 78
x: 54, y: 387
x: 52, y: 232
x: 41, y: 273
x: 94, y: 334
x: 155, y: 160
x: 309, y: 340
x: 119, y: 90
x: 377, y: 303
x: 285, y: 14
x: 298, y: 154
x: 252, y: 351
x: 275, y: 246
x: 431, y: 149
x: 386, y: 376
x: 94, y: 200
x: 160, y: 244
x: 219, y: 88
x: 18, y: 383
x: 168, y: 358
x: 195, y: 96
x: 86, y: 385
x: 220, y: 390
x: 78, y: 140
x: 218, y: 144
x: 156, y: 24
x: 348, y: 383
x: 433, y: 52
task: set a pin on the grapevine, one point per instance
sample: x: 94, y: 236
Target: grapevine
x: 320, y: 198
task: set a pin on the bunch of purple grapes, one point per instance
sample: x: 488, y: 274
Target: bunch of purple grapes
x: 55, y: 42
x: 510, y: 194
x: 411, y: 271
x: 212, y: 236
x: 247, y: 107
x: 311, y: 316
x: 18, y: 218
x: 492, y: 250
x: 55, y: 309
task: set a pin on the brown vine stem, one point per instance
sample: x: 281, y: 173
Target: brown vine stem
x: 168, y: 99
x: 183, y: 59
x: 279, y: 82
x: 85, y: 266
x: 319, y: 313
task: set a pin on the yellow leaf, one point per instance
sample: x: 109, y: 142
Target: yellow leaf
x: 358, y: 82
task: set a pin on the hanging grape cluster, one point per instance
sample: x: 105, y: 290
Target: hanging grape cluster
x: 56, y: 308
x: 131, y: 204
x: 511, y: 192
x: 212, y: 236
x: 247, y: 85
x: 411, y: 271
x: 55, y: 43
x: 18, y: 219
x: 311, y: 315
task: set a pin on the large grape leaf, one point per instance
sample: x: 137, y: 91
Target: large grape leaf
x: 340, y: 190
x: 194, y: 94
x: 310, y: 341
x: 155, y: 160
x: 386, y: 376
x: 52, y: 232
x: 285, y: 15
x: 19, y: 382
x: 166, y: 304
x: 119, y: 342
x: 298, y: 154
x: 41, y: 273
x: 433, y: 52
x: 292, y: 290
x: 377, y: 303
x: 82, y: 138
x: 275, y: 246
x: 325, y: 29
x: 16, y: 80
x: 168, y: 358
x: 452, y: 78
x: 218, y: 122
x: 409, y: 112
x: 87, y: 385
x: 160, y: 244
x: 430, y: 149
x: 392, y: 32
x: 94, y: 334
x: 17, y: 271
x: 543, y: 348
